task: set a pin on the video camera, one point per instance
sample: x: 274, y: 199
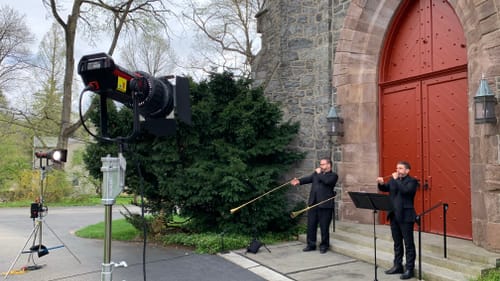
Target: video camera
x: 152, y: 98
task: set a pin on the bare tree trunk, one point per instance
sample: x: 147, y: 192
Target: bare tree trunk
x: 70, y: 35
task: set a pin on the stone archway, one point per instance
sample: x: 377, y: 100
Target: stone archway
x: 355, y: 77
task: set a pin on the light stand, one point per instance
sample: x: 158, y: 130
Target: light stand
x: 152, y: 98
x: 113, y: 170
x: 38, y: 211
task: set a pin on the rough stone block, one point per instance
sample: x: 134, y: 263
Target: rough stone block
x: 493, y: 237
x: 479, y: 206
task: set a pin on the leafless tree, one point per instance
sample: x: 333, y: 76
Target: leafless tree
x: 150, y: 53
x: 229, y: 27
x: 15, y: 38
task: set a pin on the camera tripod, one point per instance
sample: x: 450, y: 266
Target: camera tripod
x: 37, y: 213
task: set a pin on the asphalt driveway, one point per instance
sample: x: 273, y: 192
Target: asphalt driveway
x: 169, y: 264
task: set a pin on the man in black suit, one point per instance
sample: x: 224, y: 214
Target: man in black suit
x: 402, y: 188
x: 323, y: 182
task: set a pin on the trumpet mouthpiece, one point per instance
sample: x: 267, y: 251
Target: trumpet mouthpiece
x: 233, y: 210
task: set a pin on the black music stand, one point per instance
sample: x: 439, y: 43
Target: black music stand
x: 375, y: 202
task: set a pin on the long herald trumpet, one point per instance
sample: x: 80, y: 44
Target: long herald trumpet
x: 232, y: 211
x: 296, y: 213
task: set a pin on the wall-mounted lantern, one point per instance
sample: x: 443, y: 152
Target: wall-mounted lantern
x: 484, y: 104
x: 335, y: 123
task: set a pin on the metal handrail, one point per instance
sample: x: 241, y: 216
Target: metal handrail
x: 418, y: 220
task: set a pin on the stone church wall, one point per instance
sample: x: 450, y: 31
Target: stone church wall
x: 317, y: 54
x: 295, y: 68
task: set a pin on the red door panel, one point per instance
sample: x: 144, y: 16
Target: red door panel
x: 446, y: 153
x: 426, y: 37
x: 448, y: 39
x: 401, y: 131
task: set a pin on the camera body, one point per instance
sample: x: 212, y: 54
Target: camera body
x: 37, y: 210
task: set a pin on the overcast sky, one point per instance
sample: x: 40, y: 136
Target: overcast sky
x: 39, y: 22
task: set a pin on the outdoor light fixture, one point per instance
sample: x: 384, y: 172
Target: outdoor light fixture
x: 56, y: 155
x: 335, y: 123
x: 484, y: 104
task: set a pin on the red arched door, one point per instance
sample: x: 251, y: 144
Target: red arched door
x: 424, y: 110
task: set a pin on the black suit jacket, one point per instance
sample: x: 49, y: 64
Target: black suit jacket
x: 322, y: 188
x: 402, y: 194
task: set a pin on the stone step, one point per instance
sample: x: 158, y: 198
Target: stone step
x: 384, y: 260
x: 458, y: 249
x: 464, y: 260
x: 430, y: 256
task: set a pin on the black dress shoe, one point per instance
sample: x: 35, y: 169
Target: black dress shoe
x: 309, y: 248
x: 395, y: 269
x: 323, y: 251
x: 407, y: 275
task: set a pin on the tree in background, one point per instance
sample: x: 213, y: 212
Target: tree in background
x: 150, y: 53
x: 236, y: 150
x: 228, y: 32
x: 15, y: 38
x: 15, y: 148
x: 45, y: 113
x: 39, y: 118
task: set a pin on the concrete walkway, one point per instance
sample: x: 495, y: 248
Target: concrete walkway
x: 286, y: 262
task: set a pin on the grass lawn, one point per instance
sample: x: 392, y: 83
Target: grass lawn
x: 121, y: 230
x: 85, y: 201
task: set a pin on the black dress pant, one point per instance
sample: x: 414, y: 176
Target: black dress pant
x: 403, y: 232
x: 323, y: 217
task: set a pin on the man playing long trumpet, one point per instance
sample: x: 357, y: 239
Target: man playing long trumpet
x: 402, y: 188
x: 323, y: 183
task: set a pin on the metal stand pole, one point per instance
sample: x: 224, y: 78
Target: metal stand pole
x: 107, y: 269
x: 375, y: 245
x: 113, y: 169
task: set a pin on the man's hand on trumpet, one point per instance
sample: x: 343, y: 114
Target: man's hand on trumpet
x: 380, y: 180
x: 318, y: 170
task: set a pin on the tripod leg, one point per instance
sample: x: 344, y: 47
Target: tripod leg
x: 32, y: 234
x: 53, y: 232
